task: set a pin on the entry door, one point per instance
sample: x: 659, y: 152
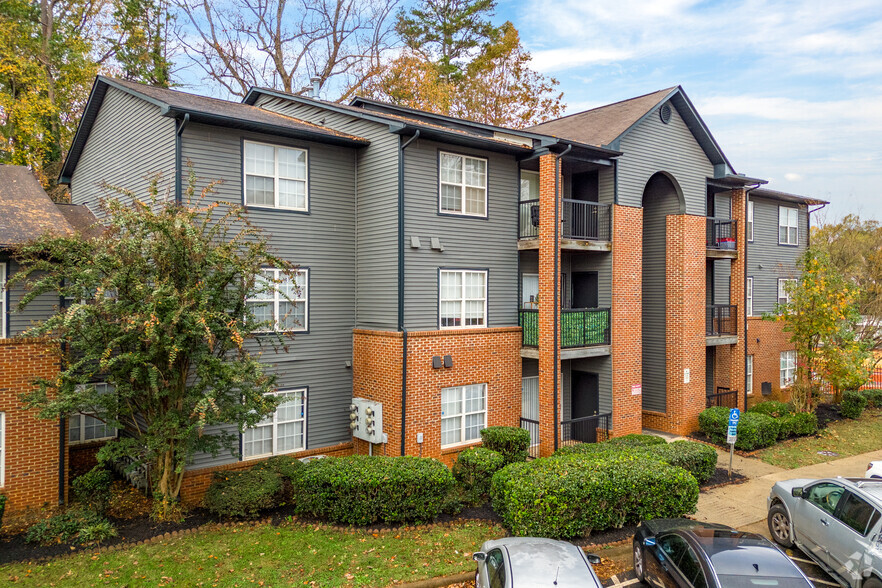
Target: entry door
x: 584, y: 402
x: 585, y: 290
x: 530, y: 291
x: 530, y: 407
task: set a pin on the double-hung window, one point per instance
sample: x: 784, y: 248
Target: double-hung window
x: 463, y: 185
x: 2, y: 299
x: 788, y: 368
x: 750, y: 220
x: 749, y: 374
x: 788, y: 225
x: 463, y: 299
x: 281, y: 302
x: 783, y: 295
x: 283, y: 431
x: 275, y: 177
x: 463, y: 413
x: 85, y: 427
x: 749, y: 296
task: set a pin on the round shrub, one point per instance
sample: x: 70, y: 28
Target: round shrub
x: 93, y: 489
x: 288, y: 469
x: 360, y: 490
x: 474, y: 468
x: 772, y: 408
x: 798, y: 424
x: 755, y: 430
x: 698, y: 459
x: 572, y: 495
x: 243, y: 494
x: 853, y: 404
x: 873, y: 396
x: 713, y: 422
x: 636, y: 440
x: 512, y: 442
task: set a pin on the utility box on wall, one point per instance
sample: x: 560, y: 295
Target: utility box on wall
x: 366, y: 420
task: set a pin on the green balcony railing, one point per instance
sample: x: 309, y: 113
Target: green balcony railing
x: 579, y: 327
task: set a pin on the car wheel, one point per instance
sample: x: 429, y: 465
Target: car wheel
x: 639, y: 561
x: 872, y: 583
x: 779, y: 525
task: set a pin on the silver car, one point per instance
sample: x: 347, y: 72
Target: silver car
x: 836, y: 521
x: 530, y: 562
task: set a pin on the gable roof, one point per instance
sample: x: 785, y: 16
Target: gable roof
x: 203, y: 109
x: 606, y: 125
x: 26, y: 211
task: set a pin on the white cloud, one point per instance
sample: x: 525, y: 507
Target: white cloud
x: 791, y: 177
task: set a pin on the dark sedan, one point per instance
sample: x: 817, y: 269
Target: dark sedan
x: 678, y: 553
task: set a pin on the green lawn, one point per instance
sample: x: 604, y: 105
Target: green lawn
x: 263, y: 555
x: 846, y: 437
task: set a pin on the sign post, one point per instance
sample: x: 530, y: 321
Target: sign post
x: 732, y: 435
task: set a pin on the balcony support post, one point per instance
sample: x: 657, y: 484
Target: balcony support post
x: 738, y: 295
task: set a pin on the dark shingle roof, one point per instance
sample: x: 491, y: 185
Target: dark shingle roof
x: 786, y: 197
x: 26, y: 211
x: 80, y: 219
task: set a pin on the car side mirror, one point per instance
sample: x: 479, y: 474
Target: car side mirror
x: 593, y: 559
x: 649, y: 541
x: 796, y: 492
x: 479, y: 556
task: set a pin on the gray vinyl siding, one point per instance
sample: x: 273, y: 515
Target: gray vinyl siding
x: 589, y: 262
x: 722, y: 280
x: 38, y: 310
x: 376, y: 273
x: 469, y: 242
x: 322, y: 241
x: 130, y: 143
x: 607, y: 185
x: 766, y: 259
x: 654, y: 146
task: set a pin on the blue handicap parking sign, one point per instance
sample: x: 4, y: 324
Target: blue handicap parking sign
x: 734, y: 416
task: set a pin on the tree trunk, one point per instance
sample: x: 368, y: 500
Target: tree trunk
x: 167, y: 485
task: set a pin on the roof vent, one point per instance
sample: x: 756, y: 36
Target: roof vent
x: 665, y: 113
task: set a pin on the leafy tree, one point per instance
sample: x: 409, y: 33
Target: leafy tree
x: 159, y: 314
x: 141, y: 49
x: 821, y: 317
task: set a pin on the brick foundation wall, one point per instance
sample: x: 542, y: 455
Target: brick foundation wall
x: 82, y: 458
x: 765, y: 341
x: 480, y: 356
x: 31, y: 444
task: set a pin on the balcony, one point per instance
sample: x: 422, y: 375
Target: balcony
x: 590, y: 429
x: 721, y: 324
x: 585, y: 225
x: 722, y: 238
x: 722, y: 397
x: 584, y: 332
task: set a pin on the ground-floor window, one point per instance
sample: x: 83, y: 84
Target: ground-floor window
x: 283, y: 431
x: 83, y: 427
x: 788, y: 368
x: 749, y: 374
x: 463, y: 413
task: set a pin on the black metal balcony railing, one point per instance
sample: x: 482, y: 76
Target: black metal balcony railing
x: 533, y: 428
x: 722, y: 319
x: 581, y: 220
x: 589, y: 429
x: 721, y: 233
x: 579, y: 327
x: 723, y: 397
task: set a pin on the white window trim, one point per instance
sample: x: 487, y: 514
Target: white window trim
x: 463, y: 185
x: 788, y: 356
x: 749, y: 375
x: 788, y: 226
x: 2, y: 449
x: 781, y: 290
x: 81, y: 438
x: 303, y: 296
x: 275, y: 424
x: 3, y: 268
x: 276, y: 177
x: 749, y: 295
x: 750, y: 221
x: 462, y: 416
x: 462, y: 298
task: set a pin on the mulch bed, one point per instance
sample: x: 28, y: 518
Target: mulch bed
x: 827, y: 413
x: 721, y: 478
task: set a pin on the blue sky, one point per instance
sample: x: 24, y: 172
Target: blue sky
x: 792, y: 90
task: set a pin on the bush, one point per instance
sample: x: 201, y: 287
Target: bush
x: 853, y: 404
x: 243, y: 494
x: 772, y: 408
x: 571, y: 495
x: 698, y: 459
x: 2, y: 507
x: 64, y: 528
x: 288, y: 469
x: 93, y: 489
x: 474, y: 468
x: 512, y: 442
x: 798, y: 424
x: 97, y: 532
x: 636, y: 440
x: 361, y: 490
x: 874, y: 397
x: 755, y: 430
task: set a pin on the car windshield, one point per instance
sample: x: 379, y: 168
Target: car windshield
x: 727, y: 581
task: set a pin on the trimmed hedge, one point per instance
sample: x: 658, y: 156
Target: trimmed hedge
x: 473, y: 470
x: 512, y: 442
x: 853, y: 404
x: 636, y: 440
x: 772, y: 408
x: 755, y: 430
x: 360, y: 490
x: 243, y: 494
x: 874, y: 397
x: 288, y: 469
x: 93, y: 489
x: 572, y: 495
x: 797, y: 424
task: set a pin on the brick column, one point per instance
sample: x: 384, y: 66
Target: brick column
x: 626, y: 319
x: 737, y: 285
x: 685, y: 331
x: 549, y: 315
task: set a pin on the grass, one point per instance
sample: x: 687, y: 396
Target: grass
x: 264, y: 555
x: 846, y: 438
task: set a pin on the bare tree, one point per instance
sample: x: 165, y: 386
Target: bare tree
x: 282, y: 43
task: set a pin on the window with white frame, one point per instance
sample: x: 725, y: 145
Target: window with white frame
x: 281, y: 302
x: 750, y: 220
x: 2, y: 449
x: 788, y: 225
x: 749, y: 374
x: 2, y: 299
x: 85, y: 427
x: 463, y: 185
x: 783, y: 295
x: 463, y: 299
x: 283, y: 431
x: 788, y: 368
x: 463, y: 413
x: 749, y: 296
x: 275, y: 176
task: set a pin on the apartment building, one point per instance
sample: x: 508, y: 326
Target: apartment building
x: 592, y: 276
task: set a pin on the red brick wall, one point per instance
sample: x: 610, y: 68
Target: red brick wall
x: 735, y: 367
x: 31, y: 444
x: 82, y: 458
x: 490, y: 356
x: 765, y: 341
